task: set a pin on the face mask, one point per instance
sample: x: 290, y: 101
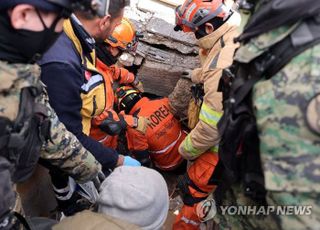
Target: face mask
x: 105, y: 55
x: 39, y: 42
x: 25, y: 46
x: 200, y: 33
x: 216, y: 23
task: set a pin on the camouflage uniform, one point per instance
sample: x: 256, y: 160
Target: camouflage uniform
x: 63, y: 150
x: 287, y: 114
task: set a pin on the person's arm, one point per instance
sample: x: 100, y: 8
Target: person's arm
x: 63, y: 84
x: 122, y: 75
x: 64, y: 150
x: 125, y: 77
x: 205, y: 135
x: 110, y: 119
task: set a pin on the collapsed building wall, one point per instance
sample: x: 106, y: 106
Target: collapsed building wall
x: 162, y: 54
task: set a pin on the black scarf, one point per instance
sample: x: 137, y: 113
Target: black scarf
x: 8, y: 51
x: 104, y: 54
x: 25, y: 46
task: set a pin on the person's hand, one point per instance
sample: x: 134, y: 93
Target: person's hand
x: 113, y: 126
x: 129, y: 161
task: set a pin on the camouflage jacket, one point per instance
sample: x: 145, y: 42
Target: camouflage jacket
x: 63, y: 150
x: 287, y: 109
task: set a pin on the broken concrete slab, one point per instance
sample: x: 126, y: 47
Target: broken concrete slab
x: 161, y: 78
x: 160, y: 27
x: 156, y: 21
x: 163, y: 54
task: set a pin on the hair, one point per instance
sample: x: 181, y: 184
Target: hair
x: 115, y: 8
x: 215, y: 22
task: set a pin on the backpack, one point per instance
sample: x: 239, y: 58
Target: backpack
x: 239, y: 146
x: 22, y: 139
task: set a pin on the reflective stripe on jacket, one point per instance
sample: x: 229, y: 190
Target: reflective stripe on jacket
x: 110, y: 74
x: 164, y: 133
x: 216, y: 53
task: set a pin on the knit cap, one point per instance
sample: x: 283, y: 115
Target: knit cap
x: 137, y: 195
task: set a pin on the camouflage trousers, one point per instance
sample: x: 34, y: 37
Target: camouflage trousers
x: 235, y: 197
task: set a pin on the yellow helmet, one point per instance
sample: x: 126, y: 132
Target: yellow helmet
x: 126, y: 97
x: 124, y: 36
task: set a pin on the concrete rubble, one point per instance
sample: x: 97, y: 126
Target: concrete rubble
x: 162, y: 54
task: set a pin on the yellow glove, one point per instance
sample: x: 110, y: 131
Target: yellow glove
x: 141, y: 124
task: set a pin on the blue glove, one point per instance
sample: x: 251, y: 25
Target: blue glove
x: 129, y: 161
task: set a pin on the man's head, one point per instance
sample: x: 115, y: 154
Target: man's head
x: 202, y: 17
x: 127, y: 97
x: 123, y: 39
x: 102, y: 26
x: 137, y: 195
x: 29, y: 27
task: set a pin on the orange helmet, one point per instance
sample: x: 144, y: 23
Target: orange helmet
x: 126, y: 97
x: 124, y: 36
x: 194, y: 13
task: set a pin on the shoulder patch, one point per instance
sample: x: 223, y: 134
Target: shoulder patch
x: 313, y: 114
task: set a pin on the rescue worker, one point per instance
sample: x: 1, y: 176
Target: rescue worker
x: 29, y: 127
x: 77, y: 89
x: 215, y: 26
x: 78, y: 94
x: 163, y: 135
x: 123, y: 39
x: 276, y: 88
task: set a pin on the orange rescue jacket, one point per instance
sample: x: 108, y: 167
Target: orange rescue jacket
x: 164, y: 133
x: 110, y: 75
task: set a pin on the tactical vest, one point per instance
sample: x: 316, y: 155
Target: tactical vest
x: 239, y: 146
x: 21, y: 140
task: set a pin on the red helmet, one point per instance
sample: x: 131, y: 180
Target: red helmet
x: 194, y: 13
